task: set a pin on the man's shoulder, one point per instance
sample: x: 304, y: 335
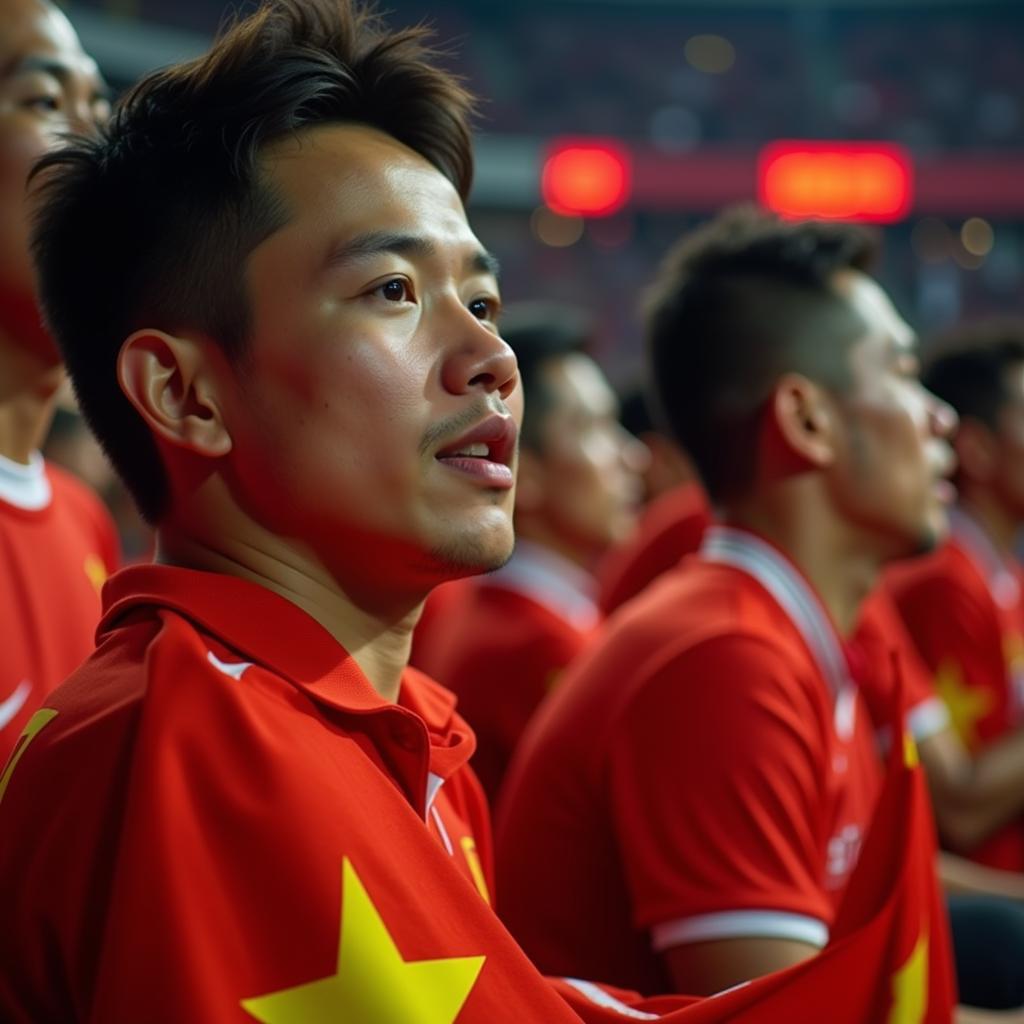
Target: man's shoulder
x: 697, y: 601
x: 944, y: 585
x: 696, y: 619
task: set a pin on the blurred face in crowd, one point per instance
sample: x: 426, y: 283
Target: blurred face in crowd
x: 48, y: 86
x: 584, y: 483
x: 1003, y: 472
x: 893, y: 458
x: 376, y: 398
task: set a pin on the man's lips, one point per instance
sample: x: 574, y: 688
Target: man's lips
x: 485, y: 452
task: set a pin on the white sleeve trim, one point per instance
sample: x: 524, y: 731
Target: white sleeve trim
x: 599, y: 997
x: 924, y: 720
x: 928, y: 718
x: 740, y: 924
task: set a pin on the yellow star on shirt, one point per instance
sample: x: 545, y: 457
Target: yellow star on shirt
x: 372, y: 984
x: 967, y: 704
x: 910, y: 987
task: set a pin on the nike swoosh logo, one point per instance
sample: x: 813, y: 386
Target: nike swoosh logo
x: 13, y: 704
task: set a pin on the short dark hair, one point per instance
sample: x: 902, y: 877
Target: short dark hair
x: 967, y: 366
x: 150, y: 223
x: 538, y: 333
x: 738, y: 303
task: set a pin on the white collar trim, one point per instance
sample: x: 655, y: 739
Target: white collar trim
x: 552, y: 581
x: 998, y: 574
x: 25, y: 486
x: 742, y: 550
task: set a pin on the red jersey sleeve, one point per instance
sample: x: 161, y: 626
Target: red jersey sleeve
x: 718, y: 794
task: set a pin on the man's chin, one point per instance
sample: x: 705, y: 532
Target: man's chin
x: 469, y: 556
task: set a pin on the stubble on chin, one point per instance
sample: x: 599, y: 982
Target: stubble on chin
x: 469, y: 555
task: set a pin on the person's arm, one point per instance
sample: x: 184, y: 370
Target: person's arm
x: 718, y: 794
x: 959, y: 875
x: 707, y: 967
x: 973, y: 796
x: 974, y: 1015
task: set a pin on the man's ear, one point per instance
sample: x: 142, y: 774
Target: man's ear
x: 802, y: 419
x: 977, y: 451
x: 171, y: 383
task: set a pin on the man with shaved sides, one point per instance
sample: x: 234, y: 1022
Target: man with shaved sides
x: 244, y: 807
x: 57, y: 543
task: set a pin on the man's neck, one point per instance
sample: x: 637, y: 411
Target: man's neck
x: 28, y: 387
x: 839, y: 569
x: 375, y: 631
x: 991, y: 515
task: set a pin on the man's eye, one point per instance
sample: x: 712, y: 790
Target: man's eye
x: 395, y: 290
x: 484, y: 309
x: 43, y: 103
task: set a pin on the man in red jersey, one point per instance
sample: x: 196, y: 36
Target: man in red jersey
x: 243, y: 806
x: 690, y: 805
x: 500, y: 641
x: 57, y: 544
x: 963, y: 605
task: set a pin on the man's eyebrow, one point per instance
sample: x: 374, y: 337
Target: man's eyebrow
x: 61, y: 70
x: 374, y: 243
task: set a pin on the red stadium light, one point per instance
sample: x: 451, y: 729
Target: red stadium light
x: 587, y: 178
x: 871, y: 181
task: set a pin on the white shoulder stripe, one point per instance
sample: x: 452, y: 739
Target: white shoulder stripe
x: 229, y: 668
x: 599, y: 997
x: 740, y: 924
x: 11, y: 705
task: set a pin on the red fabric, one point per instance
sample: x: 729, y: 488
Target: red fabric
x: 687, y: 765
x: 974, y: 649
x: 671, y: 527
x: 52, y: 563
x: 880, y: 639
x: 500, y: 652
x: 186, y: 832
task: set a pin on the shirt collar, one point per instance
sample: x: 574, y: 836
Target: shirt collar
x: 269, y: 630
x: 552, y: 581
x: 793, y: 593
x: 998, y: 572
x: 25, y: 486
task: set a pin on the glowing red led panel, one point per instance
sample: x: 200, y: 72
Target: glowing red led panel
x: 871, y: 181
x: 587, y: 178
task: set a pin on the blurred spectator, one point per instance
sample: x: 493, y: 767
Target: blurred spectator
x: 57, y: 543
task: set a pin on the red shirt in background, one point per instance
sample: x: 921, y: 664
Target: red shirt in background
x: 963, y: 607
x: 670, y: 527
x: 706, y: 770
x: 57, y: 546
x: 500, y: 643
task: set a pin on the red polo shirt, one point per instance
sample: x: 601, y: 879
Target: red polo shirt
x: 963, y: 607
x: 706, y: 770
x: 218, y: 819
x: 57, y: 545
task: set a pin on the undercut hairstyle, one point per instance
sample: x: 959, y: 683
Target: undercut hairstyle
x: 540, y: 333
x: 150, y: 223
x: 737, y: 304
x: 967, y: 367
